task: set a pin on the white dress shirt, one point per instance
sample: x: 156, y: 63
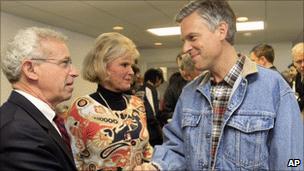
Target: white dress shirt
x: 44, y: 108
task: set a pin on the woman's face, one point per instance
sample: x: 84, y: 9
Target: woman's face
x: 292, y: 71
x: 120, y: 74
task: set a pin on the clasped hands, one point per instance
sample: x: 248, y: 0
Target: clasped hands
x: 145, y: 167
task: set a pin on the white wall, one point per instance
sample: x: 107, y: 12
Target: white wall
x: 79, y: 45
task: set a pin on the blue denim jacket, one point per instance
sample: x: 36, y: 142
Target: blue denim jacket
x: 262, y: 127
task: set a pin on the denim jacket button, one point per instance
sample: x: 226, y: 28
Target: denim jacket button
x: 208, y: 135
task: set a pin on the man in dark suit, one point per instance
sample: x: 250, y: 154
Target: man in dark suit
x: 298, y: 60
x: 38, y: 65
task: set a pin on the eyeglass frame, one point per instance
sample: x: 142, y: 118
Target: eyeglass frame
x: 67, y: 62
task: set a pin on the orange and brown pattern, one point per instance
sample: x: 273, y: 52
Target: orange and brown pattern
x: 106, y: 140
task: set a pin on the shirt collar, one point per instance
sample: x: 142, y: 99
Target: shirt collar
x: 233, y: 73
x: 43, y: 107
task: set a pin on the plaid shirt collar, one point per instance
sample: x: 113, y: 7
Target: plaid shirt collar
x: 233, y: 73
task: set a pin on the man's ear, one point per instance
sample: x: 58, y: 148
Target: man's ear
x: 29, y: 70
x: 222, y: 30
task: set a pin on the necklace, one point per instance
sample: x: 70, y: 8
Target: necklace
x: 108, y: 106
x: 127, y: 134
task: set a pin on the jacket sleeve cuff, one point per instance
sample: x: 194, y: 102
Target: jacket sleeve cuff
x: 157, y: 166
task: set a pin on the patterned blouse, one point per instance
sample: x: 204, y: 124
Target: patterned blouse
x: 102, y: 139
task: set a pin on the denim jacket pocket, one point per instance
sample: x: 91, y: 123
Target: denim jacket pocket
x: 190, y: 123
x: 190, y: 118
x: 192, y: 135
x: 245, y: 140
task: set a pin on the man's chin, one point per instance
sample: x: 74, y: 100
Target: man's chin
x: 68, y: 96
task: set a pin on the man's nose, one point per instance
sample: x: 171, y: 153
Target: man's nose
x: 186, y: 47
x: 74, y: 71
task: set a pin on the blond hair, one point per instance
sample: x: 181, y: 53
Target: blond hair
x: 107, y: 47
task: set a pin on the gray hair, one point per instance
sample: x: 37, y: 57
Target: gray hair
x: 25, y: 45
x: 107, y: 47
x: 185, y: 62
x: 297, y: 49
x: 213, y: 12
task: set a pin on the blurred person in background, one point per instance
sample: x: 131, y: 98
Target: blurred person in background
x: 137, y: 80
x: 186, y: 67
x: 290, y: 75
x: 153, y: 78
x: 263, y: 54
x: 108, y: 128
x: 297, y: 53
x: 177, y: 81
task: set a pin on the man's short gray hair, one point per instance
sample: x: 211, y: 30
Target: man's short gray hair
x: 297, y: 49
x: 185, y: 62
x: 213, y: 12
x: 25, y: 45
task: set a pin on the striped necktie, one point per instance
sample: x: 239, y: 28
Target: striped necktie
x: 64, y: 134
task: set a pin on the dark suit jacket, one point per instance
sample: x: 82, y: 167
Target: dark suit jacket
x: 300, y: 91
x: 28, y: 141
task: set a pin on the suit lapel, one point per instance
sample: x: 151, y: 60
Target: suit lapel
x: 58, y: 139
x: 32, y: 110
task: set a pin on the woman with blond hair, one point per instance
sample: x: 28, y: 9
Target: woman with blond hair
x: 108, y: 128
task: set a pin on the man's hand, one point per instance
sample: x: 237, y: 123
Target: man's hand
x: 145, y: 167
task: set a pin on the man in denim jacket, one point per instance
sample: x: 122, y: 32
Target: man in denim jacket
x: 237, y: 116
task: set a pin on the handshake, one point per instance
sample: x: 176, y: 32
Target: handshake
x: 146, y: 167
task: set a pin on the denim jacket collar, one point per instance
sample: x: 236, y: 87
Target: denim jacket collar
x: 249, y: 67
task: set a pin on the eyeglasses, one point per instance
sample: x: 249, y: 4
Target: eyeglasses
x: 65, y: 63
